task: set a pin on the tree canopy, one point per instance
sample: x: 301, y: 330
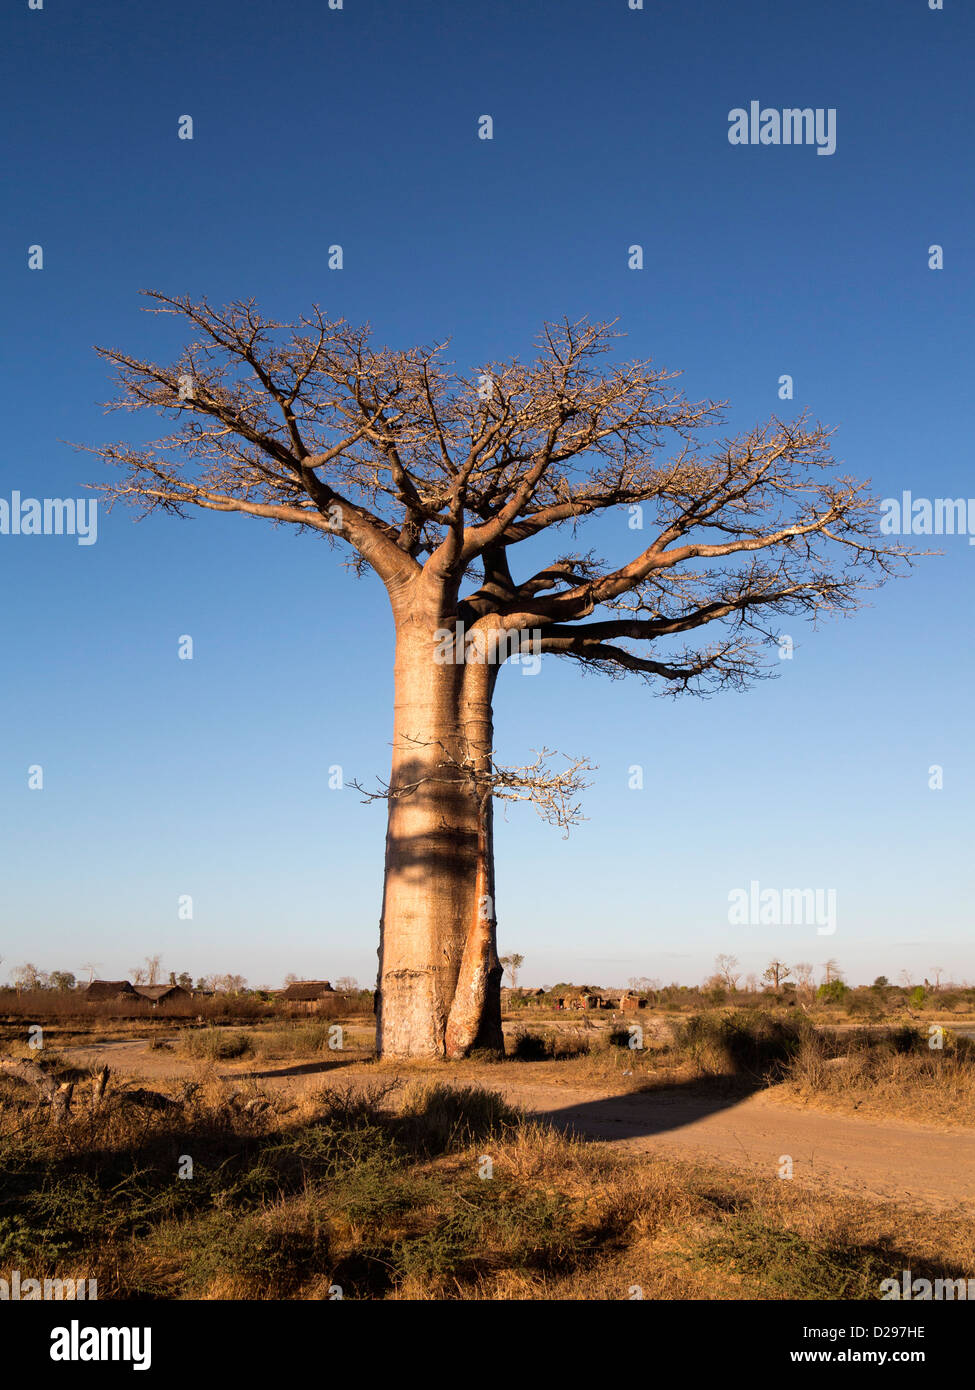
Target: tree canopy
x: 430, y: 476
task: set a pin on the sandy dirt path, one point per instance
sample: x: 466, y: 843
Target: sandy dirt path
x: 923, y: 1166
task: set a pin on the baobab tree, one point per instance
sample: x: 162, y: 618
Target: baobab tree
x: 431, y: 480
x: 775, y: 972
x: 831, y: 971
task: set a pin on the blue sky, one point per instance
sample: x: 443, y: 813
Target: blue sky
x: 359, y: 127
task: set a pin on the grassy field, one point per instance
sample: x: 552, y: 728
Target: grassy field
x: 422, y: 1192
x: 402, y: 1186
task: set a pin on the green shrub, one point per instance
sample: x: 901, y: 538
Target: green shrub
x: 786, y: 1264
x: 865, y: 1005
x: 534, y: 1230
x: 270, y: 1258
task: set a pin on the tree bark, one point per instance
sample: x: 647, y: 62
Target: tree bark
x: 439, y: 976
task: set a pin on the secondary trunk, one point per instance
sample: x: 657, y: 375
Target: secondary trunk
x: 439, y: 989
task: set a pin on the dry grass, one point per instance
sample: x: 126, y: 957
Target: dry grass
x: 878, y: 1071
x: 215, y: 1044
x: 419, y: 1190
x: 896, y: 1076
x: 308, y: 1040
x: 420, y: 1182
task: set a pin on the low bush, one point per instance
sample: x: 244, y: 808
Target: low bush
x: 546, y: 1047
x: 754, y: 1044
x: 215, y: 1044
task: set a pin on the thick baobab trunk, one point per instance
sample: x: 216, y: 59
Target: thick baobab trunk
x: 439, y: 973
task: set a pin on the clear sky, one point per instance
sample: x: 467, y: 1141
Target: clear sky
x: 358, y: 126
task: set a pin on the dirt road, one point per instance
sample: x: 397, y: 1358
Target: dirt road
x: 887, y: 1161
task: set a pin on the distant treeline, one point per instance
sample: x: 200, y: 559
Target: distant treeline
x: 862, y: 1001
x: 253, y: 1005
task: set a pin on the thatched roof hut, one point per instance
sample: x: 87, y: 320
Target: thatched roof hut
x: 306, y: 991
x: 99, y: 990
x: 159, y: 994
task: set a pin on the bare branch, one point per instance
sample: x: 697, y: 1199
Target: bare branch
x: 551, y: 792
x: 430, y: 477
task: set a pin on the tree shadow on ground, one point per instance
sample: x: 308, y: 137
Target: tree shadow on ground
x: 297, y: 1069
x: 652, y: 1110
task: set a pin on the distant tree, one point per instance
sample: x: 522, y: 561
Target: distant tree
x: 290, y: 979
x: 751, y: 982
x: 804, y: 971
x: 513, y: 964
x: 202, y: 985
x: 28, y: 976
x: 347, y: 984
x: 231, y: 984
x: 775, y: 972
x: 152, y: 969
x: 185, y: 980
x: 727, y: 968
x: 881, y: 982
x: 906, y: 979
x: 138, y: 975
x: 831, y: 971
x: 62, y: 979
x: 833, y: 991
x: 937, y: 972
x: 91, y: 966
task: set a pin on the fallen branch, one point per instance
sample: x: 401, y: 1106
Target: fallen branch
x: 58, y: 1097
x: 30, y: 1073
